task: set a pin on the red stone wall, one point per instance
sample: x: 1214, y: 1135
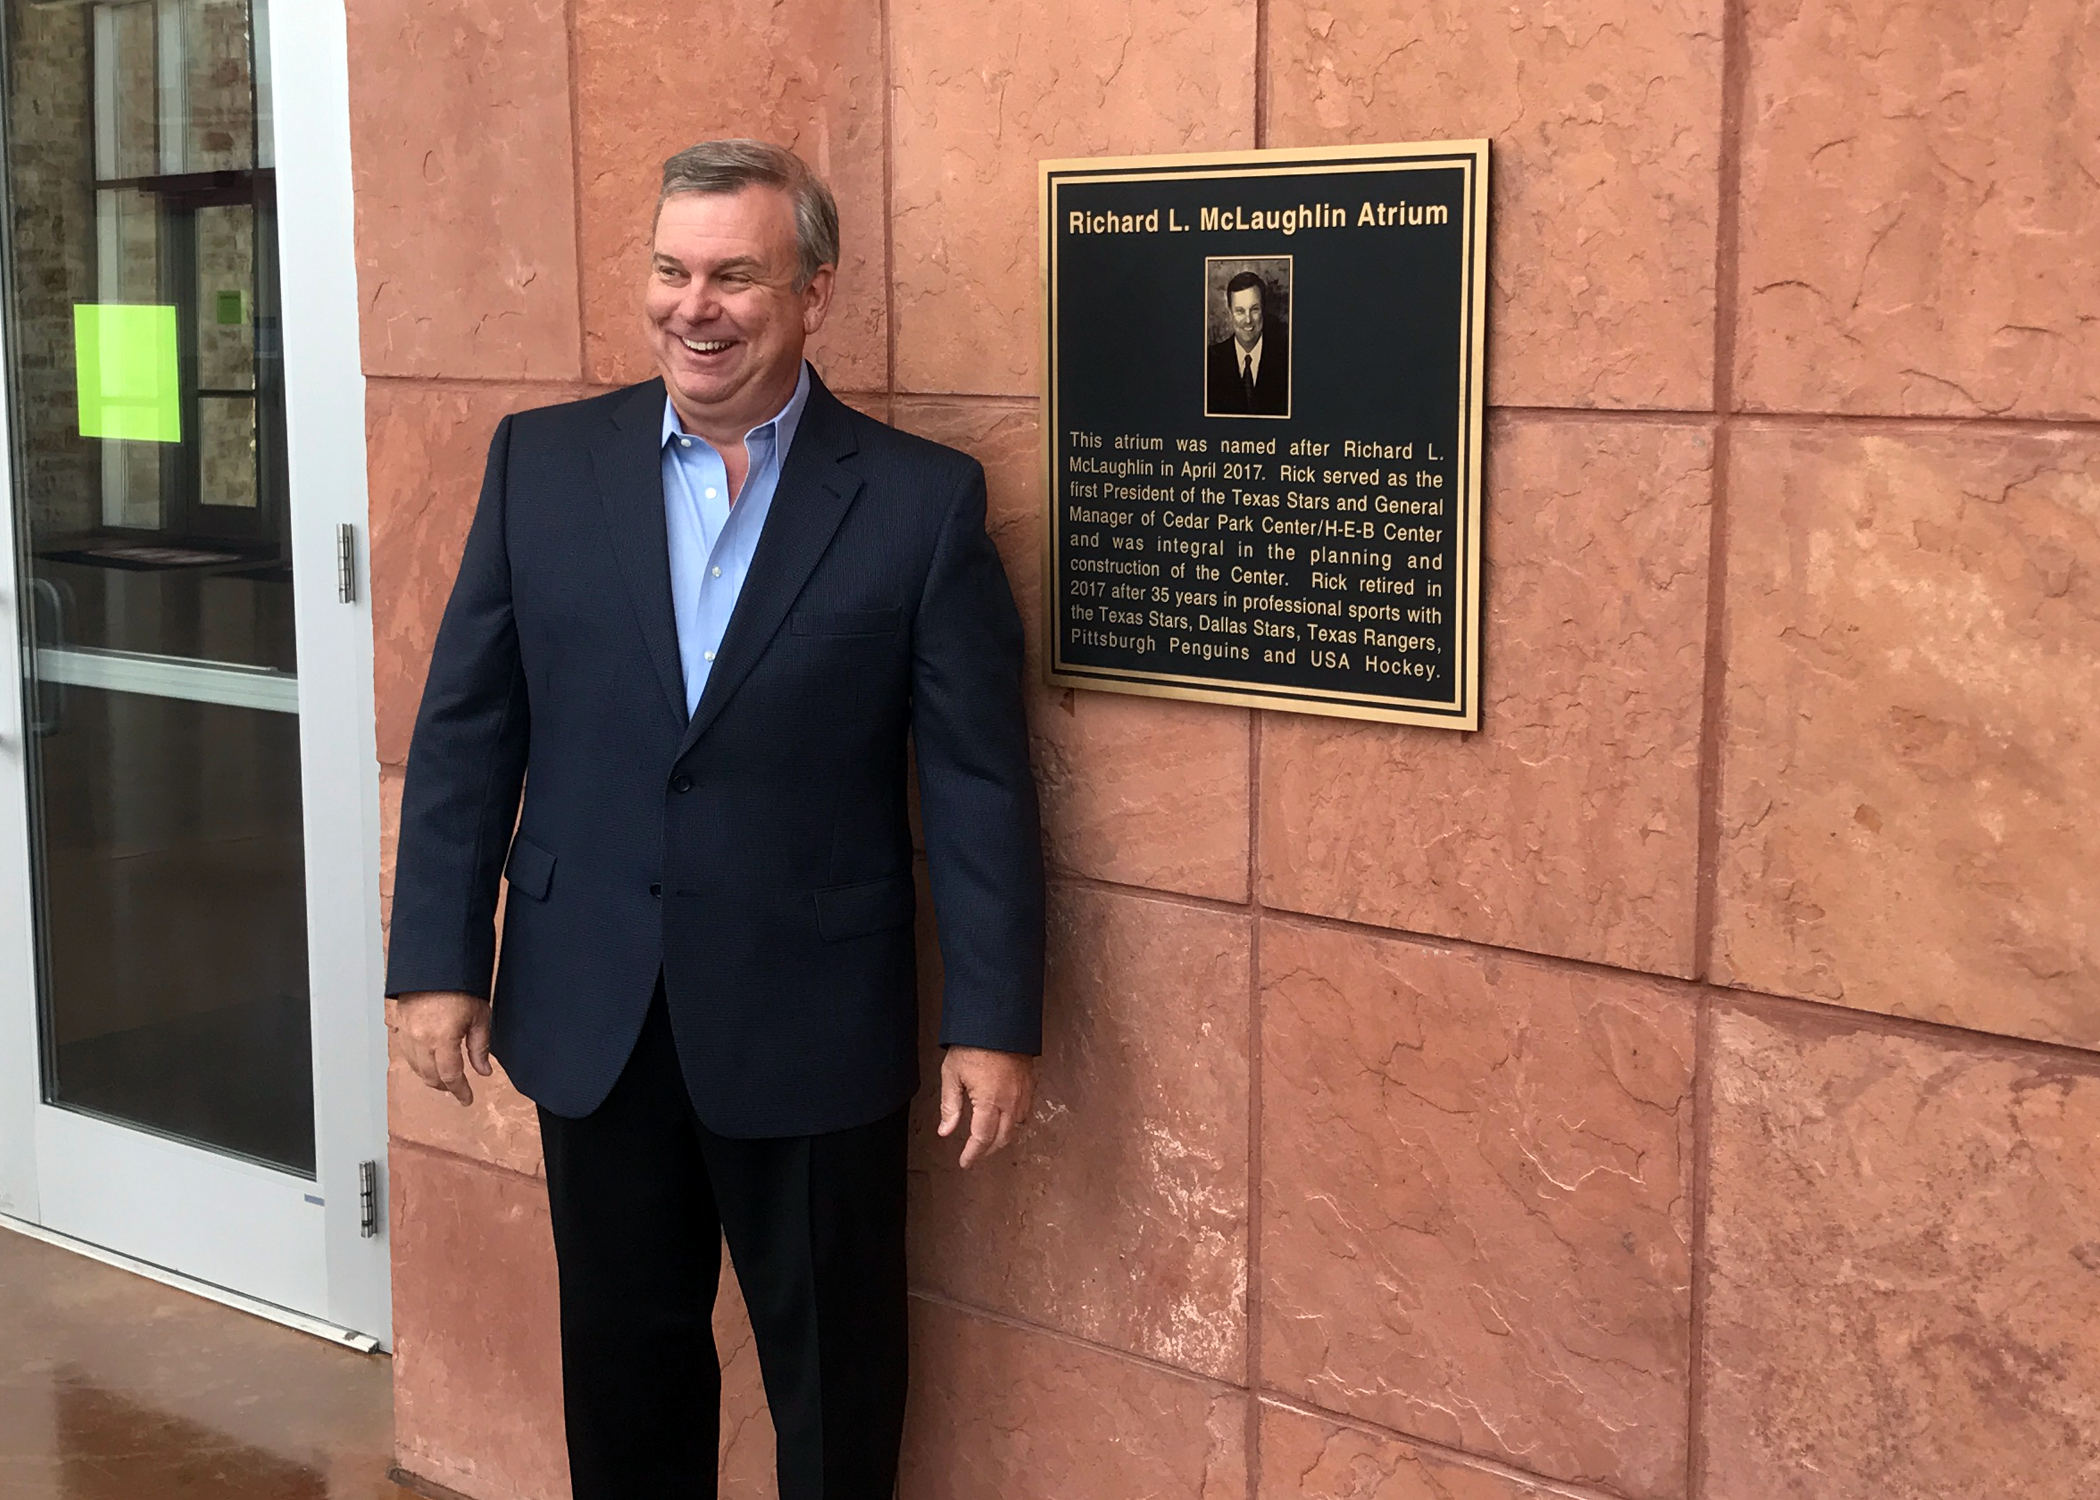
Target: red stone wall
x: 1683, y: 1089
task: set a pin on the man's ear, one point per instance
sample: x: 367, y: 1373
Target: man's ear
x: 816, y: 298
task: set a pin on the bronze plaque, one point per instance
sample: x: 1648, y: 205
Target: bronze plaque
x: 1262, y: 431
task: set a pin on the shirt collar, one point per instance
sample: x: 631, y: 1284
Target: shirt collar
x: 782, y: 423
x: 1249, y: 356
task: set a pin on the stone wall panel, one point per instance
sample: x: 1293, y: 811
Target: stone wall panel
x: 1910, y: 775
x: 1569, y: 823
x: 1476, y: 1175
x: 1905, y: 1238
x: 1004, y: 1412
x: 1921, y: 194
x: 427, y: 448
x: 1309, y: 1457
x: 477, y: 1377
x: 652, y: 80
x: 464, y: 170
x: 501, y: 1127
x: 747, y: 1427
x: 391, y: 779
x: 1142, y: 792
x: 984, y: 91
x: 1606, y: 122
x: 1121, y: 1214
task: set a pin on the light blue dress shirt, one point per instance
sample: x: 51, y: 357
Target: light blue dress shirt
x: 711, y: 540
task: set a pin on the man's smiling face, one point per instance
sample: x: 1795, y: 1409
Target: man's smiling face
x: 725, y: 320
x: 1246, y: 316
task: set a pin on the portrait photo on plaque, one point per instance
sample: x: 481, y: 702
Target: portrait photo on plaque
x: 1247, y: 354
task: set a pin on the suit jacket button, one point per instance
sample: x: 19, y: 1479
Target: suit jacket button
x: 655, y: 889
x: 681, y: 782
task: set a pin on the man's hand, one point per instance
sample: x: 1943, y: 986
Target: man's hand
x: 434, y: 1027
x: 1000, y: 1089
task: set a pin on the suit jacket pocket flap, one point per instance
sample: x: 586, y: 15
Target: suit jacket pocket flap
x: 845, y: 621
x: 530, y: 870
x: 850, y: 911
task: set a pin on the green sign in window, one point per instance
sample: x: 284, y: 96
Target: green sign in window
x: 130, y: 377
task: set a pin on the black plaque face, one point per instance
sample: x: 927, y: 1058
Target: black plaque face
x: 1263, y: 430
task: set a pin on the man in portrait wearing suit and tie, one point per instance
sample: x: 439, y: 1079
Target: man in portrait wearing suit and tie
x: 696, y: 623
x: 1250, y: 372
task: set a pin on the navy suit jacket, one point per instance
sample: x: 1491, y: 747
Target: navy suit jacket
x: 1225, y: 393
x: 758, y: 855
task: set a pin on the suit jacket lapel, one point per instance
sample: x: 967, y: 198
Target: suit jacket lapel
x: 814, y: 493
x: 627, y: 458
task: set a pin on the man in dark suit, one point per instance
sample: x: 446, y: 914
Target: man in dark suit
x: 1250, y: 373
x: 696, y: 621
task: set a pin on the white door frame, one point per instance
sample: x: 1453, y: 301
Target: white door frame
x: 325, y: 422
x: 20, y: 1058
x: 95, y: 1180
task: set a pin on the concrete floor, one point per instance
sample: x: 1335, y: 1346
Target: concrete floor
x: 113, y: 1387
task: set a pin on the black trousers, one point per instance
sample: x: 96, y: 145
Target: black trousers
x: 642, y: 1195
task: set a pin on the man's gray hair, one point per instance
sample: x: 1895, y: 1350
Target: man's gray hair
x: 731, y: 165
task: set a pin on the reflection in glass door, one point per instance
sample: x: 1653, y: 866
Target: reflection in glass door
x: 152, y: 518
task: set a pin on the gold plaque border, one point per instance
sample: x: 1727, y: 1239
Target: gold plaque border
x: 1472, y: 156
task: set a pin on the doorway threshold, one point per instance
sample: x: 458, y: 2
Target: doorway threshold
x: 348, y: 1338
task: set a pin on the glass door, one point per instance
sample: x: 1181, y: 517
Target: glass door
x: 167, y: 597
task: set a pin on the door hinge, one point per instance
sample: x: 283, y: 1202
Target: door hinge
x: 346, y: 563
x: 368, y: 1199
